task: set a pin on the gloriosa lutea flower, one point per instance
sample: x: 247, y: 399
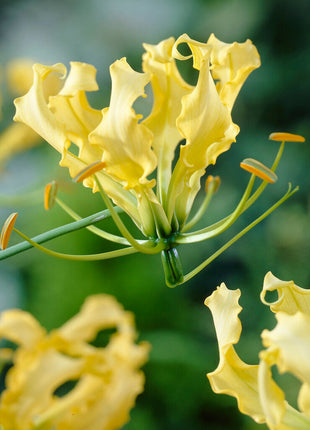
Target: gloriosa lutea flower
x: 288, y: 348
x: 37, y: 392
x: 119, y: 151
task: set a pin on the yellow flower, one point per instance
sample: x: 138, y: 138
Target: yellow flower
x: 288, y: 348
x: 61, y: 381
x: 131, y: 160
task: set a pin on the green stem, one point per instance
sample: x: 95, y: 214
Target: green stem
x: 194, y: 272
x: 93, y: 229
x: 56, y: 232
x: 88, y: 257
x: 123, y: 229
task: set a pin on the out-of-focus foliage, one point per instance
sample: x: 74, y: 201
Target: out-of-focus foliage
x: 275, y: 98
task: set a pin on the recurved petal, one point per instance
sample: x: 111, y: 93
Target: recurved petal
x: 291, y: 298
x: 231, y: 64
x: 233, y: 376
x: 21, y: 328
x: 98, y: 312
x: 224, y: 306
x: 82, y: 77
x: 205, y: 122
x: 271, y: 397
x: 125, y: 142
x: 199, y: 50
x: 168, y: 89
x: 289, y: 343
x: 32, y: 109
x: 30, y: 384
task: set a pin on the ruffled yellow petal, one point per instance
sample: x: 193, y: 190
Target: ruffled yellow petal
x: 271, y: 397
x: 71, y: 109
x: 289, y: 342
x: 205, y: 123
x: 291, y: 298
x: 97, y: 313
x: 64, y: 119
x: 233, y: 376
x: 107, y: 379
x: 21, y: 328
x: 231, y: 65
x: 168, y: 90
x: 199, y: 50
x: 126, y: 143
x: 33, y: 111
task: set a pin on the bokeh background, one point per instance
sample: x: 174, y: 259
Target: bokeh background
x: 275, y: 98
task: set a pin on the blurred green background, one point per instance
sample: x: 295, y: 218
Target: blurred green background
x: 275, y: 98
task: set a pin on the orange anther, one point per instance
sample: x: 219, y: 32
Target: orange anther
x: 7, y: 230
x: 287, y: 137
x: 212, y: 180
x: 258, y: 169
x: 50, y: 193
x: 89, y: 170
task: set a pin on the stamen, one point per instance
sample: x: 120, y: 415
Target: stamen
x: 201, y: 266
x: 50, y: 193
x: 89, y: 170
x: 7, y: 230
x: 213, y: 182
x: 286, y: 137
x: 259, y: 169
x: 73, y: 257
x: 211, y: 186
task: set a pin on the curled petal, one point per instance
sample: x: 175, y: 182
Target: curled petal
x: 231, y: 65
x: 97, y: 313
x: 291, y: 298
x: 126, y: 144
x: 32, y: 109
x: 82, y: 77
x: 205, y: 123
x: 271, y: 397
x: 21, y: 328
x: 168, y: 90
x: 289, y: 343
x: 233, y: 376
x: 199, y: 50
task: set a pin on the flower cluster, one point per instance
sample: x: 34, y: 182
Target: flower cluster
x: 287, y: 348
x: 132, y: 161
x: 62, y: 380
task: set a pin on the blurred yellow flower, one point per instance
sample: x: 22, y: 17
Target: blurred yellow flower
x: 288, y: 348
x: 61, y: 380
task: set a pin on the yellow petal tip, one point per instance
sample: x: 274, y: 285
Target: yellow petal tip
x: 287, y: 137
x: 7, y: 230
x: 258, y: 169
